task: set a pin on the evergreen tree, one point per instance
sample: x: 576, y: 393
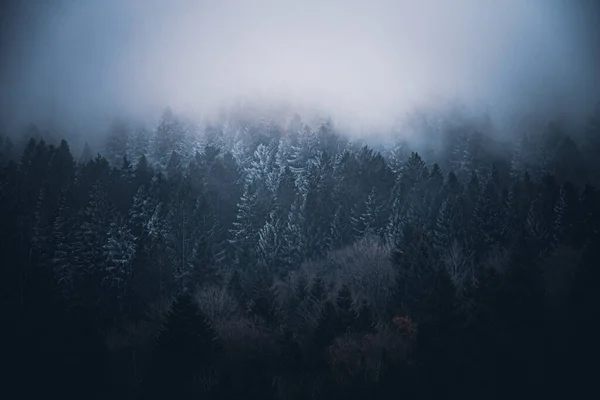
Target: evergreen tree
x: 487, y: 214
x: 369, y: 222
x: 186, y: 348
x: 169, y: 137
x: 119, y: 252
x: 295, y: 234
x: 270, y: 248
x: 138, y: 144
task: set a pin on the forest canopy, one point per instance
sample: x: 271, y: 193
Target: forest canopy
x: 263, y: 258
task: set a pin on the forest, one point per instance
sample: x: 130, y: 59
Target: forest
x: 276, y: 258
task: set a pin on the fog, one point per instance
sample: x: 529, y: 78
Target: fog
x: 366, y: 62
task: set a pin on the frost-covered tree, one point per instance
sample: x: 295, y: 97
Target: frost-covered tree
x: 318, y: 208
x: 138, y: 144
x: 93, y: 231
x: 271, y: 245
x: 369, y: 221
x: 119, y: 252
x: 462, y: 160
x: 169, y: 136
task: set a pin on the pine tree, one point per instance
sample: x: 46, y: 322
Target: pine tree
x: 368, y: 223
x: 64, y: 245
x: 442, y: 234
x: 399, y: 155
x: 301, y: 151
x: 462, y: 156
x: 92, y: 233
x: 488, y: 213
x: 169, y: 137
x: 180, y: 233
x: 138, y: 144
x: 318, y: 210
x: 271, y: 244
x: 295, y: 234
x: 255, y: 204
x: 243, y: 235
x: 416, y: 268
x: 119, y: 252
x: 186, y: 348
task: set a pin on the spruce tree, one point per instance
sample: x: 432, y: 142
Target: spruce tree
x: 186, y: 347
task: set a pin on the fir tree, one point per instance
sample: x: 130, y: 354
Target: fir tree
x: 186, y: 347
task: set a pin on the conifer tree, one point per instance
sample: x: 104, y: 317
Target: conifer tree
x: 186, y: 347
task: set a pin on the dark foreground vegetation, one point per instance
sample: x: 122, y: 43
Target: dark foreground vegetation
x: 268, y: 261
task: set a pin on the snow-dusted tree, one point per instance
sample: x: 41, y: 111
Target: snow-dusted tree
x: 399, y: 155
x: 368, y: 222
x: 92, y: 232
x: 262, y: 172
x: 119, y: 252
x: 240, y: 148
x: 157, y: 249
x: 318, y: 207
x: 255, y: 203
x: 138, y: 144
x: 243, y: 233
x: 64, y: 245
x: 301, y: 151
x: 169, y: 137
x: 393, y: 232
x: 462, y: 161
x: 458, y: 262
x: 271, y: 245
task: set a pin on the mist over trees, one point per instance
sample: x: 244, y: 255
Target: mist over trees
x: 272, y: 257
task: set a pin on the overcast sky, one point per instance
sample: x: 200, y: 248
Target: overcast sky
x: 84, y: 61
